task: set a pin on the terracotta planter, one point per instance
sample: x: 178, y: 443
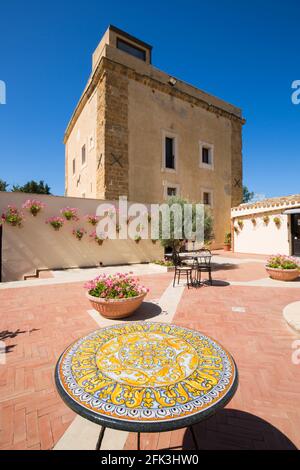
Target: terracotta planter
x: 116, y: 308
x: 283, y: 274
x: 227, y: 247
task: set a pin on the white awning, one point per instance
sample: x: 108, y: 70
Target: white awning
x: 292, y: 211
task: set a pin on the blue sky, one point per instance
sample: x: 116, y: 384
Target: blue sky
x: 246, y: 52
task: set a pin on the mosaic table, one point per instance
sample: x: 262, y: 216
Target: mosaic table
x: 146, y: 377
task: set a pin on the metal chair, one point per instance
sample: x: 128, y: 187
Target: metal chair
x: 181, y: 268
x: 204, y: 265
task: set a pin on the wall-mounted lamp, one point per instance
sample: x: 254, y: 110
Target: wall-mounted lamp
x: 172, y: 81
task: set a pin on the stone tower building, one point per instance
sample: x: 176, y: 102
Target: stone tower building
x: 139, y: 132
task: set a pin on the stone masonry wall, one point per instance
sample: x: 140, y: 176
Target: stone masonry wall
x: 236, y: 163
x: 112, y: 135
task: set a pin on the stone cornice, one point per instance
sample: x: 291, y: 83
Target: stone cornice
x: 108, y: 64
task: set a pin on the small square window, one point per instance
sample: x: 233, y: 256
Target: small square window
x: 170, y: 157
x: 74, y: 166
x: 131, y: 49
x: 91, y: 142
x: 206, y: 198
x: 206, y: 155
x: 171, y: 191
x: 83, y: 155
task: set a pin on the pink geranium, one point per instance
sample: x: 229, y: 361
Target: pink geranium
x: 55, y: 222
x: 12, y: 216
x: 92, y: 219
x: 33, y: 206
x: 70, y: 213
x: 115, y: 286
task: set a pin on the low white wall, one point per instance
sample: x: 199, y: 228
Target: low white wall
x: 37, y: 246
x: 261, y: 238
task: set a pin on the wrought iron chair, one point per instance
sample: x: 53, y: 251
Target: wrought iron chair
x: 204, y: 265
x: 181, y: 268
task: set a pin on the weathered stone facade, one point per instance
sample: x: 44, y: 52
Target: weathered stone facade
x: 136, y: 105
x: 236, y: 163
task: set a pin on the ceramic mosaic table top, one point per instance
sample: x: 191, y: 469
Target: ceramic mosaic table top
x: 146, y: 377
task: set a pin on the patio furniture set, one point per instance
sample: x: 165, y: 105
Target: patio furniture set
x: 192, y: 264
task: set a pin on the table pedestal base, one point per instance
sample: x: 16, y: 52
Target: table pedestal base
x: 101, y: 435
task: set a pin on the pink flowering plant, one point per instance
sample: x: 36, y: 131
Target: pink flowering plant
x: 79, y: 233
x: 55, y: 222
x: 92, y: 219
x: 96, y: 238
x: 115, y: 286
x: 33, y: 206
x: 283, y: 262
x: 70, y: 213
x: 12, y: 216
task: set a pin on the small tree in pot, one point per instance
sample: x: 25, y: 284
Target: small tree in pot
x: 227, y: 241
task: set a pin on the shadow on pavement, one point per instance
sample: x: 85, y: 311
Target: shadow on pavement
x: 237, y: 430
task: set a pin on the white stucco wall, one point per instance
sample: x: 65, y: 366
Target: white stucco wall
x: 261, y: 238
x: 37, y: 246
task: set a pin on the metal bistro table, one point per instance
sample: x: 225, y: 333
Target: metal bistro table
x: 146, y: 377
x: 192, y: 256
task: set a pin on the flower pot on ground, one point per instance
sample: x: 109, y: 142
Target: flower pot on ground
x: 227, y: 242
x: 283, y: 268
x: 115, y: 296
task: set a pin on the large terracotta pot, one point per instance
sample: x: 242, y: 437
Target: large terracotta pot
x: 283, y: 274
x: 116, y: 308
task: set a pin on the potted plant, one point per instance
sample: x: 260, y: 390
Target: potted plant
x: 241, y: 224
x: 227, y: 242
x: 283, y: 268
x: 70, y: 213
x: 253, y: 220
x: 266, y: 219
x: 92, y: 219
x: 167, y: 264
x: 115, y: 296
x: 98, y: 239
x: 12, y: 216
x: 277, y: 221
x: 33, y: 206
x: 55, y: 222
x: 137, y: 238
x: 78, y: 233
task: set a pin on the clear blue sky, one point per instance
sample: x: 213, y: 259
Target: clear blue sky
x: 246, y: 52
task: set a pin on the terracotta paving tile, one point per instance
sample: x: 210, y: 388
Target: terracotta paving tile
x: 32, y: 415
x: 264, y: 414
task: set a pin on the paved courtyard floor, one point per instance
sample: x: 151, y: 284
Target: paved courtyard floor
x: 242, y: 310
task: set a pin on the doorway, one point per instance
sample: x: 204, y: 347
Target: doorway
x: 295, y: 225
